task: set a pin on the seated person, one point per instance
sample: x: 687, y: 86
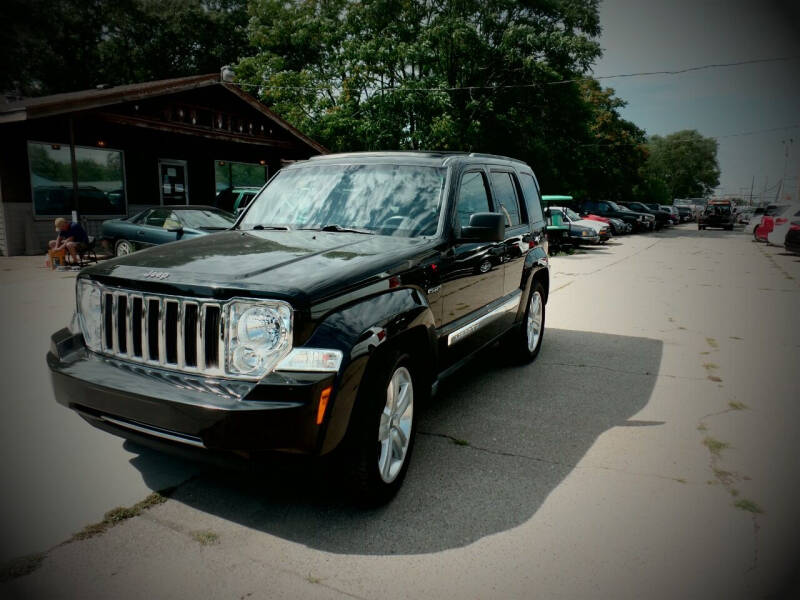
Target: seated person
x: 71, y: 236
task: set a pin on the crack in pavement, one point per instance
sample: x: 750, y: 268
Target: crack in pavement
x: 465, y: 444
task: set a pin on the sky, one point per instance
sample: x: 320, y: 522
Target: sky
x: 653, y: 35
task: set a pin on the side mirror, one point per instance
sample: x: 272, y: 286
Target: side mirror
x: 484, y: 227
x: 178, y: 229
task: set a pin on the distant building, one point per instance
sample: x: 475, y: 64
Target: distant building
x: 111, y: 152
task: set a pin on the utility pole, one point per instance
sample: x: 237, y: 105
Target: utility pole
x: 787, y: 144
x: 752, y: 185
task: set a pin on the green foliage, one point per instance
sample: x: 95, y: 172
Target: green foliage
x: 52, y: 46
x: 380, y: 74
x: 681, y: 165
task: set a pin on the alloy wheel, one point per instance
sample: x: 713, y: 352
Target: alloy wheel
x: 534, y: 324
x: 394, y: 431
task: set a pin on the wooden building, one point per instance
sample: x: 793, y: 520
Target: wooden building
x: 110, y: 152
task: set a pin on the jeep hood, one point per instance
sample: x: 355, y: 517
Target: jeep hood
x: 303, y: 265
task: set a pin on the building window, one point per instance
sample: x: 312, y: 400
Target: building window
x: 229, y: 174
x: 51, y: 178
x: 100, y: 180
x: 101, y: 185
x: 231, y: 177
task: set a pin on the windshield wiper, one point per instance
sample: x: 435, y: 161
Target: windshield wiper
x: 339, y: 229
x: 273, y: 227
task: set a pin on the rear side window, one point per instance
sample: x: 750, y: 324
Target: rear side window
x: 506, y: 197
x: 532, y: 198
x: 472, y: 197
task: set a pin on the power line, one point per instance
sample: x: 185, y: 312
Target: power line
x: 533, y: 85
x: 716, y: 137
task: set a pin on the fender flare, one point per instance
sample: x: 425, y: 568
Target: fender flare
x: 359, y: 330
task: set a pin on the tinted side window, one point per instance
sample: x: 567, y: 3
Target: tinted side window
x: 157, y: 217
x: 506, y: 198
x: 472, y: 197
x: 532, y: 199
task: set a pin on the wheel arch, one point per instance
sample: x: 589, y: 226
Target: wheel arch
x: 367, y: 332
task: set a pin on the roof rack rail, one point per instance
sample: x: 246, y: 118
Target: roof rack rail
x: 497, y: 156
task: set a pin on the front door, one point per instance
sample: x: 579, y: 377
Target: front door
x: 472, y: 276
x: 173, y: 182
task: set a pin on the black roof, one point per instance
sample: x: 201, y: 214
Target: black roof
x: 437, y: 157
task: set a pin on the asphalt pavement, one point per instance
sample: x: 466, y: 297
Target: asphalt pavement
x: 648, y: 452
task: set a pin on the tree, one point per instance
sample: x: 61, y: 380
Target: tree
x: 52, y: 46
x: 430, y: 74
x: 612, y: 161
x: 681, y: 165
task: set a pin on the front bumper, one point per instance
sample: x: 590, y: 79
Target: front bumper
x: 278, y: 413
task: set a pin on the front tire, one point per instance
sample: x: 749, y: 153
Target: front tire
x: 385, y: 428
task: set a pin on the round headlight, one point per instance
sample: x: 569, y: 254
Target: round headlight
x: 260, y: 326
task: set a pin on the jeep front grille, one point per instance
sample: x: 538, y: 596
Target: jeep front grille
x: 178, y: 333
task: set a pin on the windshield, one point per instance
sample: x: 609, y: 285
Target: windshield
x: 205, y: 219
x: 572, y: 215
x: 399, y: 200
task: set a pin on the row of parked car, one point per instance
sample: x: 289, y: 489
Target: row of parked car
x: 596, y: 221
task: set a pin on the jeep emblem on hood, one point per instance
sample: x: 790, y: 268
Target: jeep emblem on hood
x: 157, y: 274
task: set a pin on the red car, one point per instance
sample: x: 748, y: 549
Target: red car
x: 596, y: 218
x: 778, y: 216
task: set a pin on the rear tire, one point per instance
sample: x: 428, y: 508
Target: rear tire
x: 123, y: 248
x: 525, y: 340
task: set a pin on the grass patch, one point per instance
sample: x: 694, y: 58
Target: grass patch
x: 710, y: 366
x: 749, y: 506
x: 118, y: 515
x: 715, y: 446
x: 734, y: 492
x: 702, y: 427
x: 714, y: 378
x: 738, y: 405
x: 712, y: 342
x: 734, y: 337
x: 313, y: 579
x: 680, y: 480
x: 460, y: 442
x: 725, y: 477
x: 20, y: 567
x: 706, y: 353
x: 205, y: 537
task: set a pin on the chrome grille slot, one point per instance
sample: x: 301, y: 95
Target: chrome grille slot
x: 171, y: 332
x: 191, y: 334
x: 183, y: 334
x: 212, y: 337
x: 121, y: 316
x: 136, y: 326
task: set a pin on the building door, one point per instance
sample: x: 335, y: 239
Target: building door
x: 174, y: 184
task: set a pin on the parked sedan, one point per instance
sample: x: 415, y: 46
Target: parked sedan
x: 685, y: 213
x: 782, y: 225
x: 570, y: 216
x: 163, y: 224
x: 774, y: 215
x: 792, y: 241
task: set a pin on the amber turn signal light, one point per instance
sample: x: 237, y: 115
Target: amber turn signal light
x: 323, y: 404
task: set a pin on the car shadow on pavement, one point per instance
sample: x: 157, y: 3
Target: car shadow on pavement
x: 491, y: 446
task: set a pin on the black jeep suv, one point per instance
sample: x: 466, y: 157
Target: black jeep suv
x: 349, y: 287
